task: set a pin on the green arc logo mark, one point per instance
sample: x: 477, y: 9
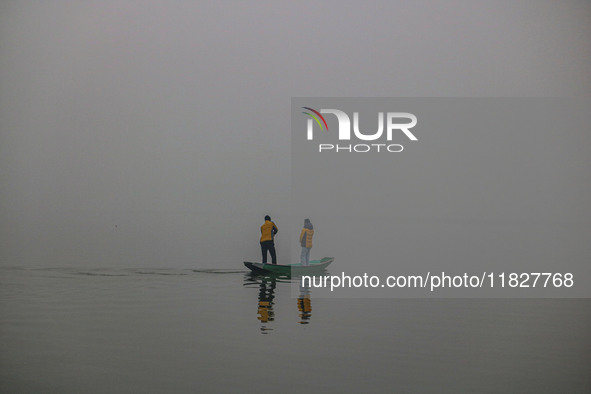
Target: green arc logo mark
x: 315, y: 115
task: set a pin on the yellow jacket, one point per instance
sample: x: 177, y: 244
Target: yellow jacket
x: 268, y: 230
x: 306, y: 237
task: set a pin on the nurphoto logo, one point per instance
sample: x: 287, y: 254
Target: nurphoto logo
x: 397, y: 123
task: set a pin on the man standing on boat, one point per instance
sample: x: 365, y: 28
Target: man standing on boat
x: 268, y: 231
x: 306, y: 242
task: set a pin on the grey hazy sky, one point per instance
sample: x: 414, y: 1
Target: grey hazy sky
x: 144, y: 132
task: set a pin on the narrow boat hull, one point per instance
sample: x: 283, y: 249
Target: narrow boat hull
x: 315, y: 266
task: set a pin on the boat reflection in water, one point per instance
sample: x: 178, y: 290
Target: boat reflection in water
x: 267, y: 285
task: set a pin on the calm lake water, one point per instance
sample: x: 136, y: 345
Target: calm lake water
x: 151, y: 330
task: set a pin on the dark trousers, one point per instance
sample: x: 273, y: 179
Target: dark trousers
x: 270, y: 246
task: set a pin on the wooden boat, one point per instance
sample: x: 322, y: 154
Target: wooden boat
x: 297, y: 269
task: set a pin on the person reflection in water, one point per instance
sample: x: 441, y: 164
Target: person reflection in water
x: 305, y: 304
x: 266, y: 296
